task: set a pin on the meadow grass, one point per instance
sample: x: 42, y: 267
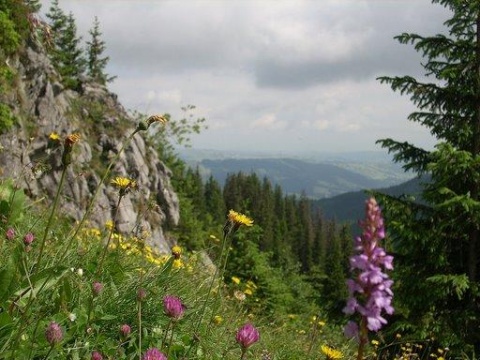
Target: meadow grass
x: 73, y: 291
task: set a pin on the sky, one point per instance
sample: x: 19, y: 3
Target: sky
x: 267, y: 75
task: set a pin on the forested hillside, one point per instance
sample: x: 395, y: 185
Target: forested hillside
x: 315, y: 180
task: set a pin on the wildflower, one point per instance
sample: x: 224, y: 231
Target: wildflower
x: 72, y: 317
x: 240, y: 296
x: 124, y: 185
x: 10, y: 234
x: 80, y: 272
x: 173, y: 307
x: 177, y: 264
x: 370, y: 281
x: 125, y: 330
x: 109, y: 225
x: 28, y: 238
x: 217, y: 319
x: 54, y: 137
x: 153, y: 354
x: 239, y: 219
x: 156, y: 118
x: 176, y: 251
x: 234, y: 221
x: 97, y: 288
x: 53, y: 333
x: 248, y: 292
x: 96, y: 356
x: 331, y: 353
x: 141, y: 294
x: 247, y: 335
x: 151, y: 120
x: 70, y: 140
x: 236, y: 280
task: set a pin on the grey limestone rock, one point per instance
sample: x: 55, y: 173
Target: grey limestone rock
x: 42, y: 106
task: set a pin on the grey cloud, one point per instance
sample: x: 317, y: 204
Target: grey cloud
x: 380, y: 55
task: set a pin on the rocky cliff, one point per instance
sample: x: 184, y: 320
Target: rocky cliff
x: 42, y: 106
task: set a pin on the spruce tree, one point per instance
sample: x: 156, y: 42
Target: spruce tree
x: 436, y: 241
x: 67, y: 56
x: 95, y: 49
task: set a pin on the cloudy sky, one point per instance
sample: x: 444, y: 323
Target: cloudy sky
x: 283, y: 76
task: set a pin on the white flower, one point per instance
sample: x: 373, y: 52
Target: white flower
x: 80, y: 272
x: 72, y: 317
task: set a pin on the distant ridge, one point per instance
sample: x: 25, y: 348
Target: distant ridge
x: 349, y: 207
x: 315, y: 179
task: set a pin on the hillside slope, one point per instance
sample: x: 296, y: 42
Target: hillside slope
x: 316, y: 180
x: 344, y: 207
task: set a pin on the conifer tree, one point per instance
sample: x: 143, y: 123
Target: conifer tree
x: 67, y: 56
x: 437, y: 241
x: 95, y: 49
x: 214, y: 200
x: 334, y: 283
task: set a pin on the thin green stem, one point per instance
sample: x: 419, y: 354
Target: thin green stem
x: 92, y: 201
x: 226, y: 233
x: 164, y: 340
x: 202, y: 311
x: 49, y: 222
x: 105, y: 249
x: 171, y: 338
x: 139, y: 319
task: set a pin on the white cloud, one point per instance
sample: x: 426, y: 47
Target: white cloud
x: 268, y: 122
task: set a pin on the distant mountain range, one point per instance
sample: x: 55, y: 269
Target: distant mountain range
x: 316, y: 178
x: 349, y: 207
x: 336, y: 182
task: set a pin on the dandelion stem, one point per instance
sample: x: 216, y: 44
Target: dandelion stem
x: 139, y: 319
x: 105, y: 249
x: 49, y: 222
x: 92, y: 201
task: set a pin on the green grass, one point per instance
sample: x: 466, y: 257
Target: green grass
x: 51, y: 280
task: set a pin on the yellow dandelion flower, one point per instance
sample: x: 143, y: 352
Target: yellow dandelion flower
x: 54, y: 136
x: 217, y: 319
x: 177, y: 264
x: 176, y: 251
x: 109, y: 225
x: 236, y: 280
x: 248, y: 292
x: 239, y: 219
x: 123, y: 182
x: 331, y: 353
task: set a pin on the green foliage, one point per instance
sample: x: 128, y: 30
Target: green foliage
x: 66, y: 55
x: 7, y: 119
x: 437, y: 242
x: 96, y: 64
x: 10, y: 40
x: 12, y: 203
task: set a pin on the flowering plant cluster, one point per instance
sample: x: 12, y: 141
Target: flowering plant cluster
x: 370, y: 293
